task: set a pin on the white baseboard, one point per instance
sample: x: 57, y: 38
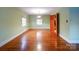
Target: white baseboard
x: 66, y: 39
x: 8, y: 40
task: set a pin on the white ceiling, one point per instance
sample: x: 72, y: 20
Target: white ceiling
x: 43, y: 10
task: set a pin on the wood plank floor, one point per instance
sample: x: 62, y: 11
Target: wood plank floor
x: 36, y: 40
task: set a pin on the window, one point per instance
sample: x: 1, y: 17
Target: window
x: 23, y: 22
x: 39, y: 21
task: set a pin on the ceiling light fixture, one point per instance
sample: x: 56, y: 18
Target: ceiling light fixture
x: 39, y: 11
x: 38, y: 16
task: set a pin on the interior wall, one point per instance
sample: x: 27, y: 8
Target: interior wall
x: 10, y: 23
x: 74, y: 24
x: 69, y: 31
x: 45, y: 24
x: 64, y: 25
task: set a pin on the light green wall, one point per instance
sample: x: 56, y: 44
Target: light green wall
x: 46, y: 22
x: 10, y: 22
x: 74, y: 24
x: 69, y: 31
x: 64, y: 27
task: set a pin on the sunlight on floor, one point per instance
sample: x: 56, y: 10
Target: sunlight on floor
x: 39, y: 44
x: 39, y: 47
x: 23, y: 42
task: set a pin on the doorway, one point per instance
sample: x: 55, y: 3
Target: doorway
x: 54, y: 29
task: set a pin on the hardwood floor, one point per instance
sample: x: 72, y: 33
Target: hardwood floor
x: 36, y: 40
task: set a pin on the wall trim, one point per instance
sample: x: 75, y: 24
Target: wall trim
x: 66, y: 39
x: 73, y: 46
x: 8, y: 40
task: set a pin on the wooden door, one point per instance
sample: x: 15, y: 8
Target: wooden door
x: 53, y: 24
x: 53, y: 30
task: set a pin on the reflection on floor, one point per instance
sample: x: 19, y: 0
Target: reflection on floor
x: 36, y: 40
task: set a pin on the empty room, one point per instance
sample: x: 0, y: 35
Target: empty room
x: 39, y: 28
